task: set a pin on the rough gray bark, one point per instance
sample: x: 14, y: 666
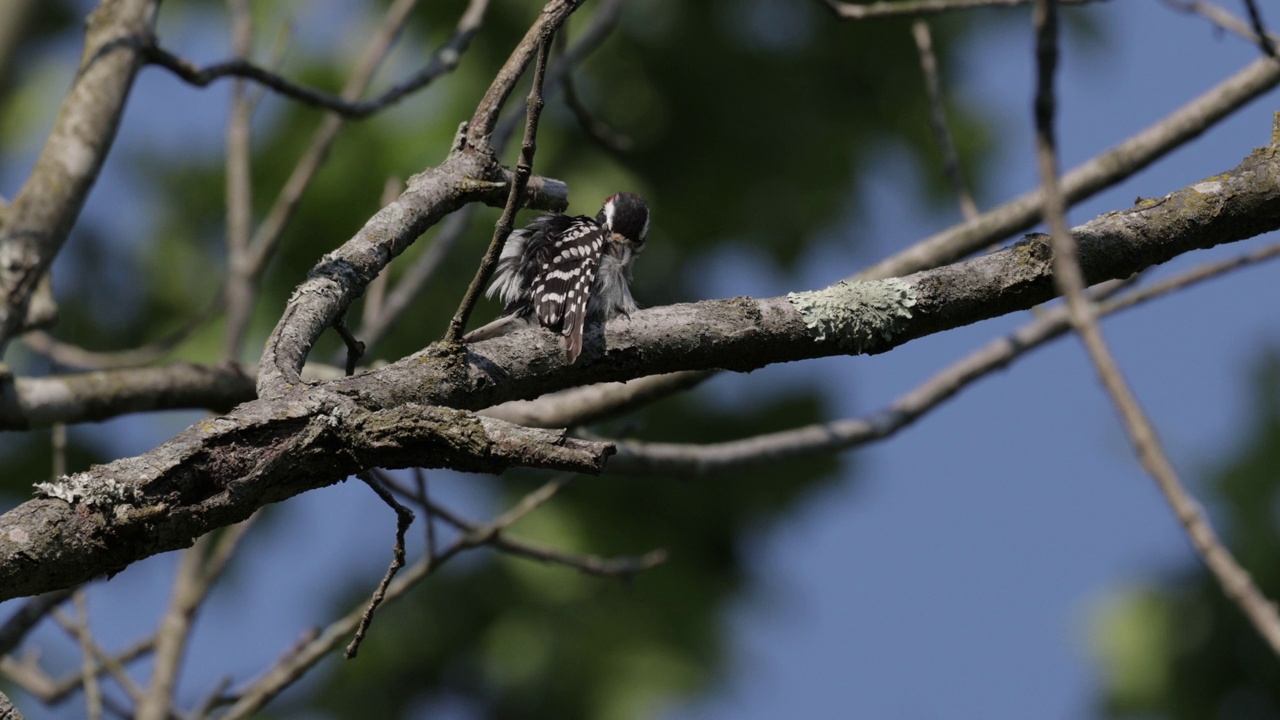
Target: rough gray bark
x: 413, y: 412
x: 47, y: 206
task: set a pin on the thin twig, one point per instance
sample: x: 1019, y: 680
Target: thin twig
x: 355, y: 348
x: 603, y: 21
x: 1221, y: 18
x: 211, y: 698
x: 524, y: 168
x: 916, y: 8
x: 88, y: 664
x: 1259, y: 29
x: 282, y: 210
x: 75, y: 357
x: 494, y: 534
x: 596, y: 129
x: 938, y: 119
x: 1093, y: 176
x: 419, y: 274
x: 112, y: 665
x: 289, y: 669
x: 27, y: 617
x: 1236, y: 582
x: 375, y: 296
x: 239, y: 188
x: 420, y: 481
x: 616, y: 567
x: 441, y: 62
x: 174, y: 631
x: 404, y: 518
x: 51, y: 691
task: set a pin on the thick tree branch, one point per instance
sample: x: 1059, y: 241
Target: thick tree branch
x: 49, y: 203
x: 219, y: 471
x: 38, y: 402
x: 635, y: 456
x: 746, y: 334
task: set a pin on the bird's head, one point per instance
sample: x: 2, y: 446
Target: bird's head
x: 625, y: 217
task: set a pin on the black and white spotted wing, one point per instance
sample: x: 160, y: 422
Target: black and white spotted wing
x: 562, y: 288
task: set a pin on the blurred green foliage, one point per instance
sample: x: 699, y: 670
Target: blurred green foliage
x: 754, y: 125
x: 1178, y: 647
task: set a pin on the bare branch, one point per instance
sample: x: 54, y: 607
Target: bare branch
x: 636, y: 456
x: 494, y: 534
x: 524, y: 168
x: 404, y: 518
x: 423, y: 270
x: 67, y: 355
x: 26, y: 617
x: 1093, y: 176
x: 219, y: 471
x: 603, y: 22
x: 1216, y: 15
x: 239, y: 188
x: 1222, y: 19
x: 916, y: 8
x: 89, y: 664
x: 594, y: 403
x: 247, y: 267
x: 485, y: 118
x: 38, y: 402
x: 1260, y: 29
x: 1070, y: 280
x: 469, y: 174
x: 104, y: 660
x: 49, y: 202
x: 296, y: 663
x: 189, y: 591
x: 938, y: 119
x: 52, y: 692
x: 442, y: 62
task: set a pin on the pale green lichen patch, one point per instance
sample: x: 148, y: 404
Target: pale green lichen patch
x: 90, y: 490
x: 858, y: 315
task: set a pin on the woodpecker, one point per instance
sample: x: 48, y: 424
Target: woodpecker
x: 561, y: 271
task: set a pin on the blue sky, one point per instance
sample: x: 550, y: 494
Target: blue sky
x: 972, y: 549
x: 958, y: 575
